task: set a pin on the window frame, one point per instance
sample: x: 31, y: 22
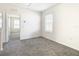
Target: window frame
x: 49, y: 23
x: 15, y: 24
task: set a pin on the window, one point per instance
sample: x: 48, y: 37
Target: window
x: 49, y: 23
x: 13, y: 22
x: 16, y: 23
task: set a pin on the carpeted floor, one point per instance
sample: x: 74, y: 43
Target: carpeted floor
x: 36, y: 47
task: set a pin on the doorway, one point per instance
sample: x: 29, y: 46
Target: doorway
x: 13, y: 27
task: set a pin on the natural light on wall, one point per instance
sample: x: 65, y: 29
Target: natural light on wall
x: 49, y: 23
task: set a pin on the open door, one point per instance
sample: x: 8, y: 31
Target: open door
x: 13, y: 27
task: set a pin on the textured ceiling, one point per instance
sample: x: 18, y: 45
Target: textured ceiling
x: 32, y: 6
x: 36, y: 6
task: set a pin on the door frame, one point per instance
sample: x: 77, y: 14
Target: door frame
x: 2, y: 30
x: 7, y: 32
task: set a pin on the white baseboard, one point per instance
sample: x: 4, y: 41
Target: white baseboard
x: 60, y: 43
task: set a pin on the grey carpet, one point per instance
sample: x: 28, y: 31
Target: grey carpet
x: 36, y: 47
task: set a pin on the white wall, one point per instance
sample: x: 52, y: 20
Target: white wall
x: 66, y: 24
x: 29, y: 29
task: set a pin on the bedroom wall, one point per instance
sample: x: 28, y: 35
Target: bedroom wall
x: 30, y: 21
x: 66, y: 24
x: 30, y: 24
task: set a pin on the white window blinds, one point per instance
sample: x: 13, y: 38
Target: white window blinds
x: 16, y: 24
x: 49, y: 23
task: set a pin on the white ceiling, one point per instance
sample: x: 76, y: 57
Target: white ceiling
x: 40, y: 6
x: 36, y: 6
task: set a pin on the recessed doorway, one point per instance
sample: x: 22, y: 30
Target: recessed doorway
x: 13, y: 26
